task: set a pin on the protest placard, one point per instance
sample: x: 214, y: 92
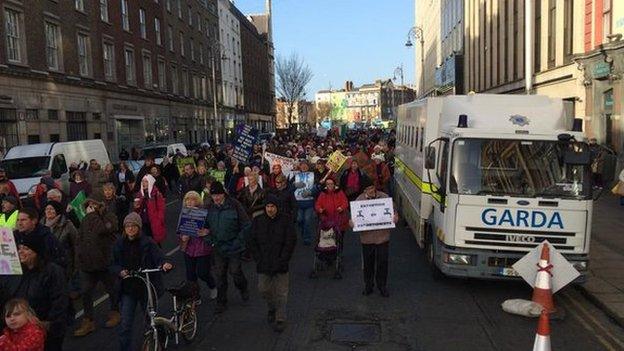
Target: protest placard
x: 183, y: 161
x: 77, y: 205
x: 307, y: 178
x: 288, y: 164
x: 372, y: 214
x: 218, y: 175
x: 243, y: 145
x: 322, y: 132
x: 191, y: 220
x: 9, y: 259
x: 335, y: 161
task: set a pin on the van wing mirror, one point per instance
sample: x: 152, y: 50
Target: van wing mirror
x: 430, y: 157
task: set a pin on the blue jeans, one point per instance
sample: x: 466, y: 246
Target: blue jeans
x: 128, y: 307
x: 199, y: 267
x: 306, y: 223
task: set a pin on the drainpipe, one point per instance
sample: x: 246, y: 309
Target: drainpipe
x: 528, y: 46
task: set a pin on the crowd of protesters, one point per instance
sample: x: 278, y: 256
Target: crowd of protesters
x: 252, y: 213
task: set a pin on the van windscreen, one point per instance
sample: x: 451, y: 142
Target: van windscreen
x: 27, y: 167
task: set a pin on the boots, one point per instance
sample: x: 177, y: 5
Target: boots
x: 113, y: 319
x: 86, y: 327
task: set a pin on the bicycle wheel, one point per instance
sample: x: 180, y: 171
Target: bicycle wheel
x: 152, y: 342
x: 188, y: 322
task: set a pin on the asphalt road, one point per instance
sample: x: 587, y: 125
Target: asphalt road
x: 420, y: 314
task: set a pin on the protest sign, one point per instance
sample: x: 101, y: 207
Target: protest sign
x: 335, y: 161
x: 218, y: 175
x: 191, y: 220
x: 372, y: 214
x: 307, y: 178
x: 77, y: 205
x: 322, y: 132
x: 9, y: 259
x: 288, y: 164
x: 183, y: 161
x: 243, y: 145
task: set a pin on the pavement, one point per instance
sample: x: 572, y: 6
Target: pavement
x: 420, y: 314
x: 605, y: 282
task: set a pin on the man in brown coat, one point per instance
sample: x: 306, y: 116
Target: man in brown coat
x: 375, y: 244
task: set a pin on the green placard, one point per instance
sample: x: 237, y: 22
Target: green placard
x: 77, y: 203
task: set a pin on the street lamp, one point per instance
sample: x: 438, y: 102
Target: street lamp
x: 417, y: 34
x: 217, y: 50
x: 398, y: 72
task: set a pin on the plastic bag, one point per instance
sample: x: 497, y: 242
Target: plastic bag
x: 521, y: 307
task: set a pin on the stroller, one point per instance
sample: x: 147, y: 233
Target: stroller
x: 328, y: 246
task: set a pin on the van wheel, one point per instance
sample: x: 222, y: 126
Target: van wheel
x: 430, y: 253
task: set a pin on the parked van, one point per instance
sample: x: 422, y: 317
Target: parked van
x: 158, y: 152
x: 26, y: 164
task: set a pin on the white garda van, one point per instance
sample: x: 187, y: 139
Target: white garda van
x: 26, y: 164
x: 159, y: 152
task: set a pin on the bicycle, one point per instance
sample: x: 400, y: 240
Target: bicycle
x: 183, y: 322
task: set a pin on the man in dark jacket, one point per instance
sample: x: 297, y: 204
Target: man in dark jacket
x: 272, y: 243
x: 28, y: 224
x: 286, y: 198
x: 227, y: 224
x: 190, y: 181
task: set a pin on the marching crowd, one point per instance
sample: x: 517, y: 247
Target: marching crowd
x: 254, y: 210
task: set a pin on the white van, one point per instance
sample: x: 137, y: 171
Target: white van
x: 159, y: 152
x: 26, y: 164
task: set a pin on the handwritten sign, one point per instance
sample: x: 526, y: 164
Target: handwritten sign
x: 335, y: 161
x: 288, y: 164
x: 306, y: 178
x: 243, y: 145
x: 9, y: 259
x: 372, y: 214
x: 191, y: 220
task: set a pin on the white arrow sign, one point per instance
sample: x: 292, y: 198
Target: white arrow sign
x: 562, y: 272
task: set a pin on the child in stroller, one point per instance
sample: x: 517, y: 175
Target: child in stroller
x: 328, y: 246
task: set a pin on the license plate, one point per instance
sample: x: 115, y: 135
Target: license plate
x: 509, y: 272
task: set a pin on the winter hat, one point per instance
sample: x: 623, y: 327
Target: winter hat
x: 133, y: 219
x: 48, y: 181
x: 150, y: 183
x: 271, y: 199
x: 34, y: 242
x: 58, y: 208
x: 217, y: 188
x: 11, y: 199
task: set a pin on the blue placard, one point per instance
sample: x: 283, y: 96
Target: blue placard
x: 243, y: 145
x: 191, y: 220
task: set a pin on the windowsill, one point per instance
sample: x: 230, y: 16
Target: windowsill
x: 106, y: 22
x: 80, y: 11
x: 127, y: 31
x: 16, y: 63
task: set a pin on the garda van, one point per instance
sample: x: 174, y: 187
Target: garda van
x: 26, y: 164
x: 483, y: 179
x: 158, y: 152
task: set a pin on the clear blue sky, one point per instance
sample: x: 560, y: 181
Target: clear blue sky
x: 357, y: 40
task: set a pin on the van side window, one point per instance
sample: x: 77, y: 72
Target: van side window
x: 422, y: 138
x: 59, y: 166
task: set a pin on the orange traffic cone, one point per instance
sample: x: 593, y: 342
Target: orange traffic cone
x: 542, y: 292
x: 542, y: 338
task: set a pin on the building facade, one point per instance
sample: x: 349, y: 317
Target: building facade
x: 428, y: 56
x: 303, y: 116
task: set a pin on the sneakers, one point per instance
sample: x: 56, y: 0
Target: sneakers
x: 279, y: 326
x: 271, y: 316
x: 245, y: 294
x: 114, y: 318
x: 213, y: 293
x: 87, y: 326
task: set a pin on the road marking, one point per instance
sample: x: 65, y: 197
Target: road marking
x: 597, y: 323
x: 105, y: 296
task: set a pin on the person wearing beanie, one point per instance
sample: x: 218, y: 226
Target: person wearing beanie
x: 228, y: 225
x: 43, y: 285
x: 272, y: 242
x: 9, y: 212
x: 131, y: 252
x: 28, y: 225
x: 150, y: 204
x: 55, y: 219
x: 375, y: 245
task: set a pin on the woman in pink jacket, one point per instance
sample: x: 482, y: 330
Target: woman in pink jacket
x: 150, y: 204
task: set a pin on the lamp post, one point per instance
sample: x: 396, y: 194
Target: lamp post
x: 417, y: 33
x: 216, y: 51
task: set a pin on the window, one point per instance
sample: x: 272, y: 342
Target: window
x: 83, y: 54
x: 76, y: 125
x: 55, y: 138
x: 129, y: 62
x: 157, y: 31
x: 201, y: 53
x: 52, y: 45
x: 53, y: 115
x: 199, y: 23
x: 14, y: 35
x: 142, y: 24
x: 104, y: 10
x: 190, y: 16
x: 607, y: 15
x: 109, y: 61
x: 162, y: 78
x: 185, y: 83
x: 125, y: 19
x: 192, y: 46
x: 33, y: 139
x: 568, y: 29
x: 147, y: 71
x: 179, y: 3
x: 168, y: 5
x: 97, y: 116
x: 32, y: 115
x: 59, y: 166
x: 170, y: 38
x: 97, y: 135
x: 174, y: 79
x: 182, y: 43
x: 552, y: 27
x: 79, y: 5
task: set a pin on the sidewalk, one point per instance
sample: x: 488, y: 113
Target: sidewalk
x: 605, y: 282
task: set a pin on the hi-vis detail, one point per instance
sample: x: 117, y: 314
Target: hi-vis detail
x: 521, y: 218
x: 483, y: 179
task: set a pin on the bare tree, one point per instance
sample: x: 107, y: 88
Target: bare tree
x: 293, y: 75
x: 321, y: 111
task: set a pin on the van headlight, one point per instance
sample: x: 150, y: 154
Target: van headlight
x: 458, y: 259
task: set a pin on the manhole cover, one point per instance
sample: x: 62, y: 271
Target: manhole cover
x: 355, y: 332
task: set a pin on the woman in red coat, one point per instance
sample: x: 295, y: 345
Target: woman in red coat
x: 332, y: 204
x: 150, y: 204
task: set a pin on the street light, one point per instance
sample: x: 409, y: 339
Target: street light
x: 398, y: 72
x: 417, y: 34
x: 217, y: 50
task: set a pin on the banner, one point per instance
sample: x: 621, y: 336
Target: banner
x: 335, y: 161
x: 288, y: 164
x: 183, y: 161
x: 77, y: 203
x: 191, y: 220
x: 372, y: 214
x: 308, y: 179
x: 9, y: 259
x: 243, y: 145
